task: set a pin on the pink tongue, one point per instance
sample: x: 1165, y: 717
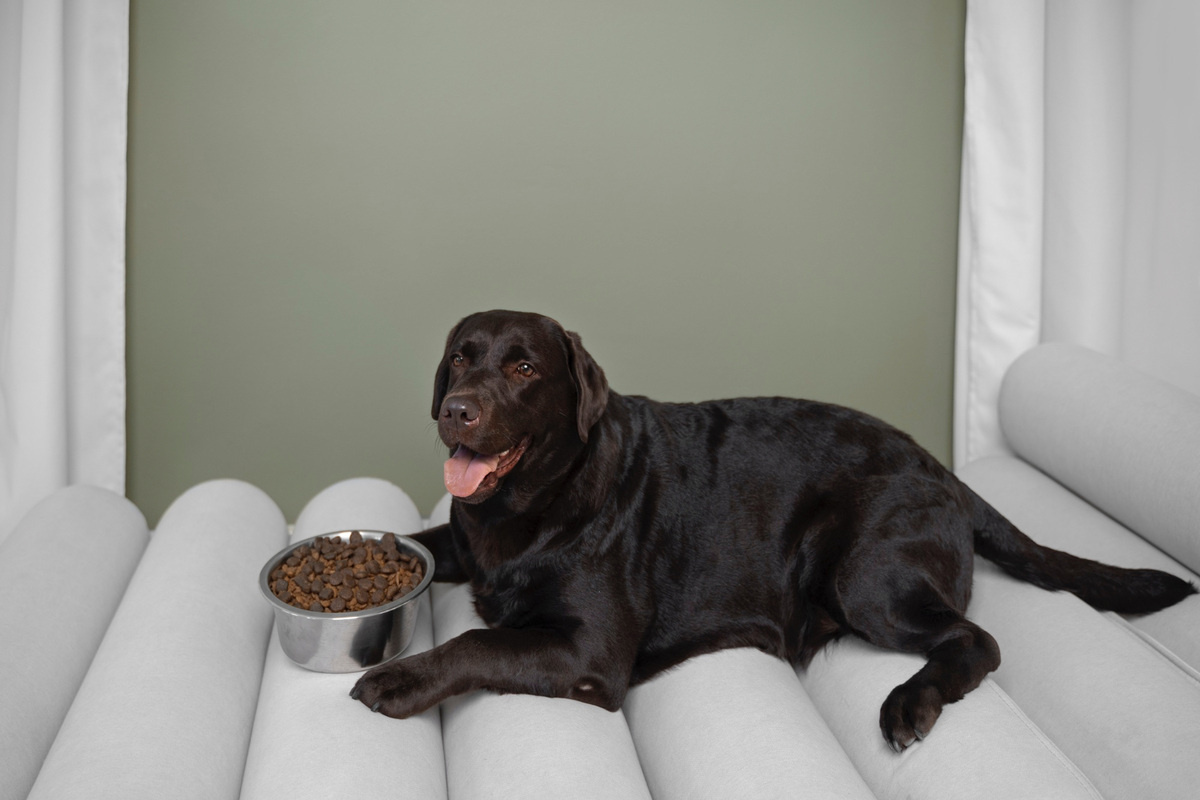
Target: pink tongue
x: 466, y: 469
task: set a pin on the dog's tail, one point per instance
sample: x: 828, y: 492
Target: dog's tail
x: 1127, y: 591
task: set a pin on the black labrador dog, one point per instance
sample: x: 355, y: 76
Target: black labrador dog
x: 607, y: 537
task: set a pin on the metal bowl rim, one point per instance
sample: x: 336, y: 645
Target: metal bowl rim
x: 421, y: 551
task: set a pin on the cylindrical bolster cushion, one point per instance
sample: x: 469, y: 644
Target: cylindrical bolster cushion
x: 1117, y: 708
x: 736, y: 723
x: 983, y: 746
x: 63, y: 569
x: 310, y: 738
x: 1126, y: 442
x: 522, y: 746
x: 167, y: 706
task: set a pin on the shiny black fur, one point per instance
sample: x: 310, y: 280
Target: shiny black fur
x: 634, y: 534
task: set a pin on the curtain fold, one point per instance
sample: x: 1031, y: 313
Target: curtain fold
x: 1161, y: 287
x: 1081, y: 194
x: 1000, y: 225
x: 63, y: 102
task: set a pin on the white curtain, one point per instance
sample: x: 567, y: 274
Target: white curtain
x: 63, y: 87
x: 1080, y: 212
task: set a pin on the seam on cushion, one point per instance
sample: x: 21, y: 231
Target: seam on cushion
x: 1045, y: 741
x: 1154, y: 646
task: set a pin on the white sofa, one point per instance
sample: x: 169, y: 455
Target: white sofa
x: 144, y: 666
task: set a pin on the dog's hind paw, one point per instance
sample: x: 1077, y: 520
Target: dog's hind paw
x: 908, y: 714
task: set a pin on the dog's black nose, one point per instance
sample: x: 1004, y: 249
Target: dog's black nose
x: 461, y: 410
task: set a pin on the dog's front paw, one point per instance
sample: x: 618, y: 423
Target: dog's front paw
x: 908, y: 714
x: 398, y: 689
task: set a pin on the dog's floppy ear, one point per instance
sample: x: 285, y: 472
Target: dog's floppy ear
x: 591, y: 386
x: 441, y: 380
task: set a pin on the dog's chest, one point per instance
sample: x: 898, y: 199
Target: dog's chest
x: 517, y: 598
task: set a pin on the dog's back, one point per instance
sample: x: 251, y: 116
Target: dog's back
x: 746, y: 508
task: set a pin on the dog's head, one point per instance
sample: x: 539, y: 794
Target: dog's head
x: 512, y: 389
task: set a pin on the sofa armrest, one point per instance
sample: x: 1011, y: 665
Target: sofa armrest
x: 166, y: 707
x: 1126, y: 442
x: 94, y: 539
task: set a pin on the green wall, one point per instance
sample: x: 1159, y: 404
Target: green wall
x: 722, y: 198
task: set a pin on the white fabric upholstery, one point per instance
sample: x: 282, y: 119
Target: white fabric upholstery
x: 736, y: 723
x: 1124, y: 441
x: 1057, y: 518
x: 441, y: 512
x: 167, y: 706
x: 173, y: 693
x: 1126, y: 716
x: 1107, y: 442
x: 306, y: 722
x: 982, y: 746
x: 527, y: 747
x: 63, y: 569
x: 359, y: 503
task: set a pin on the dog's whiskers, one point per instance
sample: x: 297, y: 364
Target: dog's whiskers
x: 438, y: 444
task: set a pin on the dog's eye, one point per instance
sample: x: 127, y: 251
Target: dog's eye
x: 525, y: 369
x: 456, y: 360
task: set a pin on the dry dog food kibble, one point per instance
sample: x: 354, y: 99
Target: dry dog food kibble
x: 330, y: 575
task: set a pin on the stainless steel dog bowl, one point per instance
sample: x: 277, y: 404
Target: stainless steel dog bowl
x: 348, y: 641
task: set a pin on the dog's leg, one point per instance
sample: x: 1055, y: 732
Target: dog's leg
x: 445, y: 558
x: 920, y: 620
x: 904, y: 585
x: 504, y: 660
x: 957, y: 664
